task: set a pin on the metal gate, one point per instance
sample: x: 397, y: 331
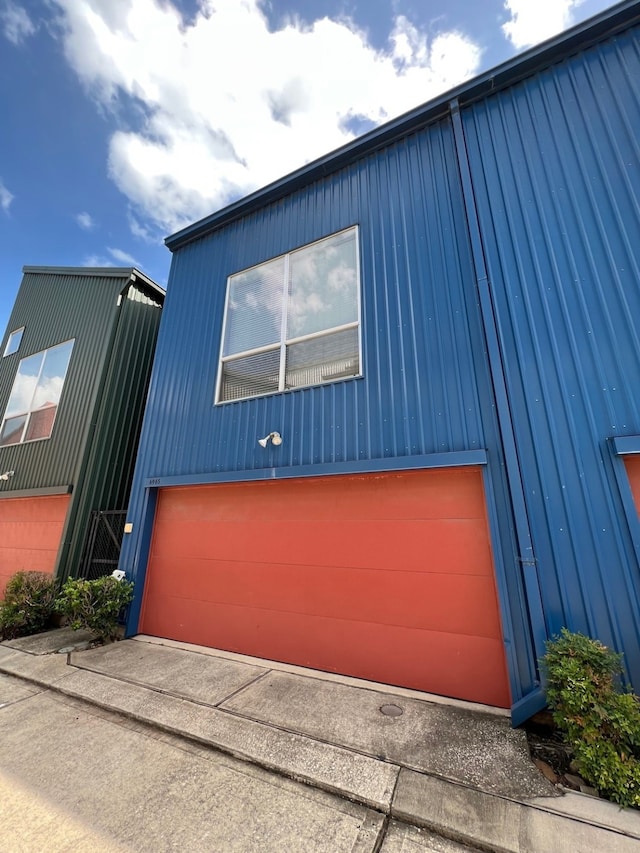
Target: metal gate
x: 104, y: 541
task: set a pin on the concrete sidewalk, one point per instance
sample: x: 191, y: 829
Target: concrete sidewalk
x: 458, y: 771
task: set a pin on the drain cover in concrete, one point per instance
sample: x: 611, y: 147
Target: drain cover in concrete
x: 391, y: 710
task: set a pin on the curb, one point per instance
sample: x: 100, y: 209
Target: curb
x: 566, y: 824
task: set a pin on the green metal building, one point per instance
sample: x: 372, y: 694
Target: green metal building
x: 74, y: 369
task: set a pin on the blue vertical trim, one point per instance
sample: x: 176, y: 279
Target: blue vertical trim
x: 527, y: 707
x: 503, y: 593
x: 138, y: 572
x: 523, y: 533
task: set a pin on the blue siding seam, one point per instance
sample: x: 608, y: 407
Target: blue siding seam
x: 505, y: 423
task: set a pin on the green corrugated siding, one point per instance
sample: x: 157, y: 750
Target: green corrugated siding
x: 95, y: 435
x: 55, y: 307
x: 106, y: 482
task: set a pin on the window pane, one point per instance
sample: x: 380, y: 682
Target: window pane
x: 24, y: 385
x: 13, y: 344
x: 41, y: 423
x: 254, y: 315
x: 35, y: 395
x: 323, y: 286
x: 322, y: 359
x: 52, y: 376
x: 12, y: 430
x: 250, y: 376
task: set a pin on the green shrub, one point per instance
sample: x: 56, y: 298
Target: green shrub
x: 601, y: 723
x: 95, y: 605
x: 28, y: 605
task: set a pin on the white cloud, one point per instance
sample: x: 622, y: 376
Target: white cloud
x: 533, y: 21
x: 5, y: 197
x: 231, y: 105
x: 114, y: 257
x: 85, y: 221
x: 147, y: 234
x: 123, y: 257
x: 15, y: 22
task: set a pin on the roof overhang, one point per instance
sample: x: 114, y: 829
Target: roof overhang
x: 128, y: 273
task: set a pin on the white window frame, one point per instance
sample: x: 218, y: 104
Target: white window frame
x: 10, y: 340
x: 30, y: 410
x: 285, y: 342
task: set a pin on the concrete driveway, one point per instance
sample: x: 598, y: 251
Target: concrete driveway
x: 150, y: 745
x: 77, y: 778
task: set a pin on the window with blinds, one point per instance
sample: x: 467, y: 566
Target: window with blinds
x: 293, y: 321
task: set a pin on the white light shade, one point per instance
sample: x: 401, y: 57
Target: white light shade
x: 274, y: 437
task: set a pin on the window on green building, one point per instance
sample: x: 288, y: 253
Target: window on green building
x: 33, y: 402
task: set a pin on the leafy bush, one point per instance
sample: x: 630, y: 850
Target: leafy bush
x: 28, y: 605
x: 601, y: 724
x: 95, y: 605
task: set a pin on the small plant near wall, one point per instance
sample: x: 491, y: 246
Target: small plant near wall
x: 95, y: 604
x: 28, y: 605
x: 601, y: 723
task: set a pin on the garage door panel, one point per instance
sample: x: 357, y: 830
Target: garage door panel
x: 427, y: 545
x: 43, y: 535
x: 447, y: 495
x: 363, y: 594
x: 632, y: 464
x: 34, y: 510
x: 30, y: 534
x: 332, y: 645
x: 387, y: 577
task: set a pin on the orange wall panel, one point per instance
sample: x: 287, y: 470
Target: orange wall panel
x: 459, y: 544
x: 468, y: 604
x: 30, y: 534
x: 632, y: 464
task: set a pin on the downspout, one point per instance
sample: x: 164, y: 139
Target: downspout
x: 526, y: 556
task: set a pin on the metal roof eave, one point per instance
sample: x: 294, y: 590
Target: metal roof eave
x: 141, y: 278
x: 607, y: 23
x: 128, y: 273
x: 103, y: 272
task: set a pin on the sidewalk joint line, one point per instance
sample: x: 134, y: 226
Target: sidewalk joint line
x: 234, y: 693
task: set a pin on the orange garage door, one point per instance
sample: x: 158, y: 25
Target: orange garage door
x: 633, y: 470
x: 30, y: 533
x: 387, y: 577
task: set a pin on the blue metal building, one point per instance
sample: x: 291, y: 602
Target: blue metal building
x: 452, y: 385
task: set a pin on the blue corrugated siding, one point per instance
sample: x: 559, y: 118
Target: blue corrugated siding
x: 555, y: 165
x: 425, y: 388
x: 417, y: 395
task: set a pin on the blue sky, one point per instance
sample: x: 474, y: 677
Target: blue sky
x: 124, y: 120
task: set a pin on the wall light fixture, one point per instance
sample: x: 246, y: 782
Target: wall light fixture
x: 274, y: 437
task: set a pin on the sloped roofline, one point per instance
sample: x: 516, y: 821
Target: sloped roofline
x: 130, y: 273
x: 607, y: 23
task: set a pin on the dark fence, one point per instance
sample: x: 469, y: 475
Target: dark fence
x: 104, y: 541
